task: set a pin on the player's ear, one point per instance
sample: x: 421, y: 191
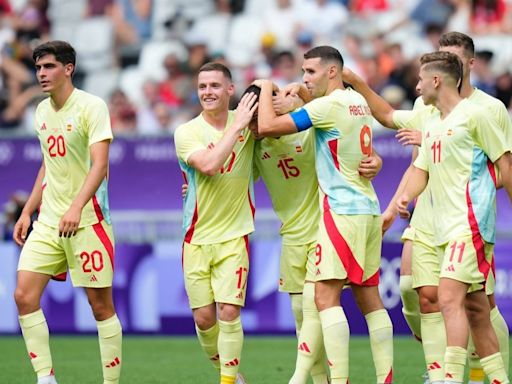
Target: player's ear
x: 69, y: 69
x: 231, y: 89
x: 333, y: 71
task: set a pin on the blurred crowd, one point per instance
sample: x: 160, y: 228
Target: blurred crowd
x: 141, y: 55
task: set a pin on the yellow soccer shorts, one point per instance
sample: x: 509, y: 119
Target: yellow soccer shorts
x: 216, y: 272
x: 425, y: 261
x: 467, y: 259
x: 349, y: 247
x: 89, y: 255
x: 293, y: 264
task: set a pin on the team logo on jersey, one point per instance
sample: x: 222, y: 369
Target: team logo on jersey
x: 43, y: 127
x: 69, y: 125
x: 241, y: 138
x: 265, y: 156
x: 298, y: 147
x: 450, y: 132
x: 210, y: 146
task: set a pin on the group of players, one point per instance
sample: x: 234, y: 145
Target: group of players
x: 312, y: 145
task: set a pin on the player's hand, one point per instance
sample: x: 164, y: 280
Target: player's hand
x: 370, y: 166
x: 388, y: 218
x: 401, y: 204
x: 21, y: 227
x: 283, y: 103
x: 184, y: 189
x: 68, y: 224
x: 245, y: 110
x: 408, y: 136
x: 291, y: 89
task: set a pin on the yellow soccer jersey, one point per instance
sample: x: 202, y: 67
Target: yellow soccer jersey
x: 287, y: 166
x: 216, y: 208
x: 65, y: 138
x: 343, y: 137
x: 455, y: 152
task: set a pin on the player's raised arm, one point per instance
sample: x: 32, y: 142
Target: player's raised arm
x: 269, y: 124
x: 22, y: 225
x: 210, y: 160
x: 381, y: 110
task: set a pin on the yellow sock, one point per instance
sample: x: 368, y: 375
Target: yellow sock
x: 410, y: 305
x: 494, y: 369
x: 231, y: 340
x: 209, y: 342
x: 476, y: 372
x: 336, y: 340
x: 227, y: 379
x: 380, y: 329
x: 500, y: 327
x: 454, y: 364
x: 296, y: 300
x: 37, y: 340
x: 311, y: 353
x: 110, y: 336
x: 434, y: 344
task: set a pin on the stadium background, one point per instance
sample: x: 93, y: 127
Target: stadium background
x: 140, y: 56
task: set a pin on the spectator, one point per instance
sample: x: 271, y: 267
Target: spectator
x: 122, y: 113
x: 488, y: 17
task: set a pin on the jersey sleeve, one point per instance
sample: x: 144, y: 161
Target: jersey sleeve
x: 408, y: 119
x: 187, y: 142
x: 98, y: 123
x: 487, y: 135
x: 314, y: 113
x: 504, y: 121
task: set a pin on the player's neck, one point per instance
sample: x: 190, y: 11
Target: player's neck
x: 467, y: 89
x: 61, y: 95
x: 447, y: 101
x: 217, y: 119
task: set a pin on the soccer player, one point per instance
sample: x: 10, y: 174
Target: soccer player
x: 419, y: 236
x: 458, y: 140
x: 349, y: 239
x: 73, y: 229
x: 215, y: 152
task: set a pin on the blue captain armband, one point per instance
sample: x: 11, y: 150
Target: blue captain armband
x: 301, y: 119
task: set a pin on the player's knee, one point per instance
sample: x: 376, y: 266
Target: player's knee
x: 25, y: 301
x: 228, y: 312
x: 429, y: 302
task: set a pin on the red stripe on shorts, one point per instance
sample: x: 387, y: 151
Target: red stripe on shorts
x: 478, y: 243
x: 354, y: 271
x: 105, y: 240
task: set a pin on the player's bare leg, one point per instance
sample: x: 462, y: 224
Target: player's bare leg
x: 29, y: 289
x: 230, y: 343
x: 480, y: 316
x: 380, y: 330
x: 410, y: 299
x: 335, y: 328
x: 110, y: 333
x: 207, y: 330
x: 476, y: 374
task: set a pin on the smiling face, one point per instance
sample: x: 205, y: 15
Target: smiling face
x: 214, y: 91
x: 315, y: 76
x: 52, y: 74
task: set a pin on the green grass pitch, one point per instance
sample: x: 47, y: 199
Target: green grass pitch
x: 169, y: 360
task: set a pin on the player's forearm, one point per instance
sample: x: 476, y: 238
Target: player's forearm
x: 504, y: 164
x: 266, y: 113
x: 97, y: 173
x: 416, y: 183
x: 34, y: 200
x: 211, y: 160
x: 381, y: 110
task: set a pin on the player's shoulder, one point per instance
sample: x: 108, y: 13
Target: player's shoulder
x: 188, y: 126
x: 485, y: 100
x: 87, y: 99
